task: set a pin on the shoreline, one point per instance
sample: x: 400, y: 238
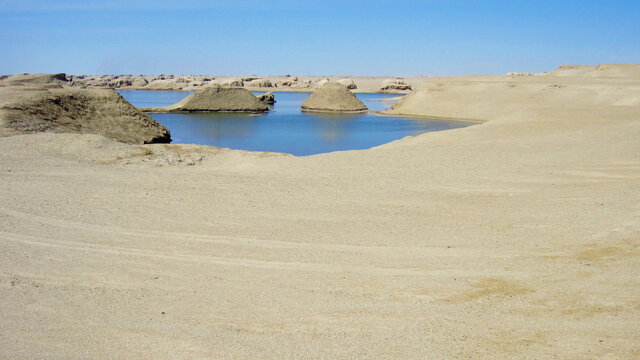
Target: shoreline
x: 427, y: 117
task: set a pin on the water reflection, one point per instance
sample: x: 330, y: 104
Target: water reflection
x: 333, y: 127
x: 217, y: 125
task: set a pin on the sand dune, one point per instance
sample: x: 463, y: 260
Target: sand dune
x: 626, y: 71
x: 517, y: 238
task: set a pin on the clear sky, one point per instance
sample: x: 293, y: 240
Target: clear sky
x: 322, y: 37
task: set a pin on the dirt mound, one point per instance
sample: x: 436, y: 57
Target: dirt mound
x: 259, y: 83
x: 217, y: 98
x: 394, y: 85
x: 267, y: 98
x: 349, y: 83
x: 333, y: 96
x: 103, y: 112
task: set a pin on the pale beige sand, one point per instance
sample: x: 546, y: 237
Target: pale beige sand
x: 517, y: 238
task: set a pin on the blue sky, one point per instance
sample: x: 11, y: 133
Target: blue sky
x: 374, y: 37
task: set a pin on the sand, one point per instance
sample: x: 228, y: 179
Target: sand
x: 517, y: 238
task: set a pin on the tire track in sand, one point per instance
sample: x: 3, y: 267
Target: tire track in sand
x: 255, y: 242
x: 215, y: 260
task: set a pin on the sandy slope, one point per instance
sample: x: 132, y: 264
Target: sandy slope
x: 516, y: 238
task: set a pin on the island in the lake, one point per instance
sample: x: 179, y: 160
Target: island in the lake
x: 218, y: 98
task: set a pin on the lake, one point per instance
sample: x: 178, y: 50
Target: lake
x: 287, y: 129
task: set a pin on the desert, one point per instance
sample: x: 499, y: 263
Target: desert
x: 515, y: 238
x: 320, y: 180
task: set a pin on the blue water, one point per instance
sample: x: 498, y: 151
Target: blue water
x: 286, y: 129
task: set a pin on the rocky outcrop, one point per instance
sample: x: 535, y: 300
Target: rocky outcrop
x: 26, y: 108
x: 294, y: 82
x: 165, y: 84
x: 348, y: 83
x: 258, y: 83
x: 267, y: 98
x: 288, y: 82
x: 218, y: 98
x: 139, y: 83
x: 394, y: 84
x: 184, y: 79
x: 229, y: 82
x: 518, y: 74
x: 157, y: 82
x: 333, y: 96
x: 321, y: 82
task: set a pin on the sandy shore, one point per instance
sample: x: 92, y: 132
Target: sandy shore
x: 517, y: 238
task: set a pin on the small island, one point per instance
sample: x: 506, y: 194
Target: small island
x: 216, y: 98
x: 333, y: 96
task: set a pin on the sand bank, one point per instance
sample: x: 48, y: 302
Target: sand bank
x: 516, y: 238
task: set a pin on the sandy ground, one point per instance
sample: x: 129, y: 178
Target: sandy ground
x: 517, y: 238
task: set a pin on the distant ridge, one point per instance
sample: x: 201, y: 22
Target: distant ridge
x: 602, y: 70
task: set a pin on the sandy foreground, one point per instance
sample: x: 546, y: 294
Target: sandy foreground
x: 515, y: 238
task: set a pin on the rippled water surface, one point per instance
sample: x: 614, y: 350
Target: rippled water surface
x: 286, y: 129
